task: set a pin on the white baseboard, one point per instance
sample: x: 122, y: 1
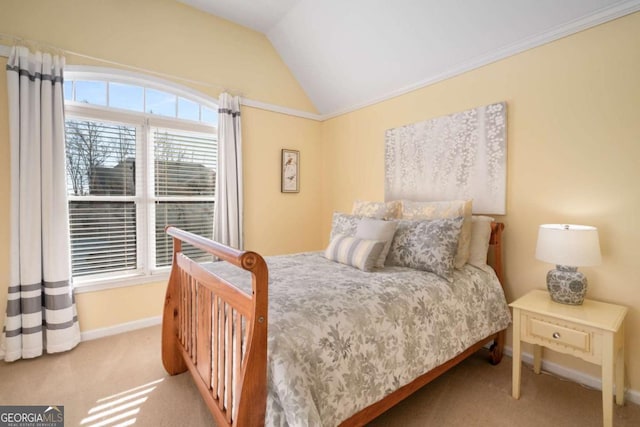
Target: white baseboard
x: 573, y: 375
x: 120, y: 328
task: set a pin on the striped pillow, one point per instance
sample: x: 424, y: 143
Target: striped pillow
x: 359, y: 253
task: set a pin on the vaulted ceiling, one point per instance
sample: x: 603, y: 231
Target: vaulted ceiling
x: 350, y: 53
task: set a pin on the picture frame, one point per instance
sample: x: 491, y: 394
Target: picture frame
x: 290, y: 171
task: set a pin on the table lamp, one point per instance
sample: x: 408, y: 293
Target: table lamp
x: 568, y: 246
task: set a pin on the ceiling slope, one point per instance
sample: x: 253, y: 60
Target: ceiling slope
x: 347, y: 54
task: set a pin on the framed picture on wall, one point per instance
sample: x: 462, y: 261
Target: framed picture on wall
x: 290, y: 171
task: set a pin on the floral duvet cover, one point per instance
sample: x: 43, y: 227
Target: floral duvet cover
x: 340, y: 339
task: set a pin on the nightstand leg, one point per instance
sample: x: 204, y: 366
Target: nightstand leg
x: 537, y: 358
x: 620, y: 368
x: 517, y: 365
x: 607, y: 380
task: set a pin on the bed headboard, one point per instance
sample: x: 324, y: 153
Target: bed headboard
x: 495, y: 250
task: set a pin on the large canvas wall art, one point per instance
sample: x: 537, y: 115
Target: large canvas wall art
x: 459, y: 156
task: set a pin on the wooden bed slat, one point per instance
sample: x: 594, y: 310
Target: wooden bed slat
x: 228, y: 361
x: 237, y: 356
x: 203, y: 340
x: 192, y: 316
x: 220, y: 372
x: 215, y: 343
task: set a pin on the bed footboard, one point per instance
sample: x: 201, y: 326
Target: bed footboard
x: 217, y: 331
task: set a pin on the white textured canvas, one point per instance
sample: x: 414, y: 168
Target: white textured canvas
x: 459, y: 156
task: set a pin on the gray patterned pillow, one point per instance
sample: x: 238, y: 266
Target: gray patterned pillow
x: 343, y: 223
x: 428, y: 245
x: 444, y: 209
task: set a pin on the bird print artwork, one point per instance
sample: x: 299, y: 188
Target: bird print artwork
x: 290, y: 172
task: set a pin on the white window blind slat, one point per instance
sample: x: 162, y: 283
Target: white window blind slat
x: 103, y: 241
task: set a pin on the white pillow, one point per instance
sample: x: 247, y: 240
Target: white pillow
x: 444, y: 209
x: 480, y: 235
x: 377, y: 229
x: 359, y: 253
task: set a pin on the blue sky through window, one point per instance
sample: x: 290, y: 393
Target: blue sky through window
x: 125, y: 96
x: 91, y: 92
x: 138, y: 98
x: 210, y: 116
x: 68, y: 90
x: 188, y: 110
x: 161, y: 103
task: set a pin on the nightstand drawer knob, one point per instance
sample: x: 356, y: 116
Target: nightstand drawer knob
x: 556, y: 335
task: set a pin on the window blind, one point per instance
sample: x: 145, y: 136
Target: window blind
x: 101, y: 183
x: 185, y: 165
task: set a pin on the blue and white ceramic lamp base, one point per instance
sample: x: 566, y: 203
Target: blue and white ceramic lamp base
x: 567, y: 285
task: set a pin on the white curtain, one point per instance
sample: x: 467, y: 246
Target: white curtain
x: 41, y: 313
x: 228, y: 208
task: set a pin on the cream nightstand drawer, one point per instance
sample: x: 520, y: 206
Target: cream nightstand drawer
x: 555, y: 334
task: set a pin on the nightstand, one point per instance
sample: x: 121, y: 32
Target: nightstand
x: 593, y: 331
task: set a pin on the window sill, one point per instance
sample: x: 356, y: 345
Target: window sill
x: 105, y: 283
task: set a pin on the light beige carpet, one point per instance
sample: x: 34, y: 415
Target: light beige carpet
x: 120, y: 380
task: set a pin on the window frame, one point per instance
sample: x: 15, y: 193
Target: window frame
x: 144, y: 123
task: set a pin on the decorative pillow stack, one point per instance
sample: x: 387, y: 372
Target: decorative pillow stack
x: 345, y: 225
x: 444, y: 209
x: 431, y: 236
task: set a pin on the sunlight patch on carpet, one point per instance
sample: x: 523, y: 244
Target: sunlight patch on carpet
x: 119, y: 409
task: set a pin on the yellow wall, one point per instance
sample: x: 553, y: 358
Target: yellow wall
x: 168, y: 37
x: 573, y: 156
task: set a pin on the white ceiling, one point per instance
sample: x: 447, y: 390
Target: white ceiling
x: 349, y: 53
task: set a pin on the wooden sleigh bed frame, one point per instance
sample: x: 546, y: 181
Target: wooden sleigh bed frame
x: 202, y: 312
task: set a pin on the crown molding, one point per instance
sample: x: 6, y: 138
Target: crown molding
x: 278, y: 109
x: 599, y: 17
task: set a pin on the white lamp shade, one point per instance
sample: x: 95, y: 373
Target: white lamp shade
x: 568, y: 245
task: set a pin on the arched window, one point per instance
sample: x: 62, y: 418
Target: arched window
x: 141, y: 154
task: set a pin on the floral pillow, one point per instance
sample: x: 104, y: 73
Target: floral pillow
x: 380, y: 210
x: 343, y: 223
x: 444, y: 209
x: 428, y: 245
x: 359, y: 253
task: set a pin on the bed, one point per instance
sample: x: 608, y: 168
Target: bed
x: 302, y: 340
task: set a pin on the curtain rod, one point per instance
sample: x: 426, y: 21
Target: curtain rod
x: 244, y: 101
x: 56, y: 50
